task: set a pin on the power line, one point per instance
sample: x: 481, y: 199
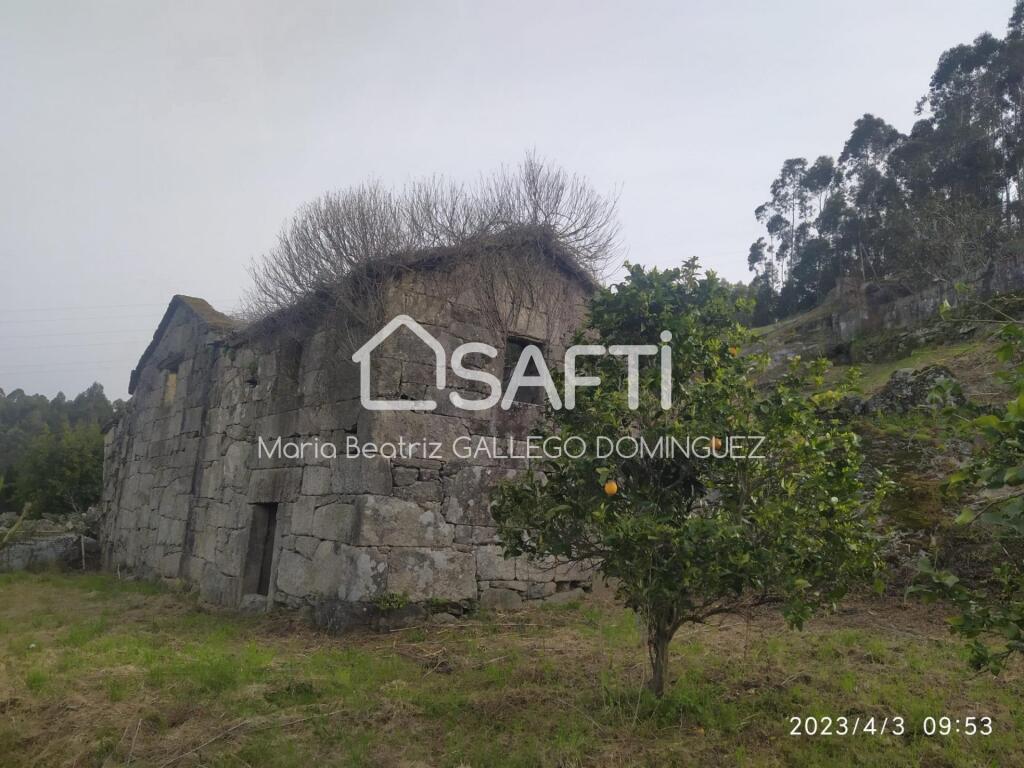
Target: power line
x: 65, y: 308
x: 64, y: 333
x: 21, y: 380
x: 33, y: 347
x: 72, y: 319
x: 101, y: 306
x: 67, y: 364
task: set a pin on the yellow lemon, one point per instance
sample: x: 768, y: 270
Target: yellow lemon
x: 611, y: 487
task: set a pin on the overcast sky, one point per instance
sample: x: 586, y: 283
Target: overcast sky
x: 148, y: 149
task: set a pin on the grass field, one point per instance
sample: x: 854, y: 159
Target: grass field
x: 97, y: 672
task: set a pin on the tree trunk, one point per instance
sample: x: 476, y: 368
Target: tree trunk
x: 657, y: 649
x: 14, y: 528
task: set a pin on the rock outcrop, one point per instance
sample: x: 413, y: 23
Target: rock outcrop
x: 909, y: 389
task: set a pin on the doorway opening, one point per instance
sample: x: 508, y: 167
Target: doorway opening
x: 260, y: 557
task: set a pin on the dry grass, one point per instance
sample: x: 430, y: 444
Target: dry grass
x: 973, y: 363
x: 101, y: 673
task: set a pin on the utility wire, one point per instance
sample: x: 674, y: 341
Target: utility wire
x: 133, y: 342
x: 70, y: 363
x: 71, y: 319
x: 65, y: 308
x: 62, y: 333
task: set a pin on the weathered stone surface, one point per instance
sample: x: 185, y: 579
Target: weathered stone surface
x: 234, y: 465
x: 405, y: 475
x: 226, y: 515
x: 517, y: 586
x: 253, y: 604
x: 306, y: 545
x: 421, y: 491
x: 491, y: 564
x: 432, y: 573
x: 302, y: 516
x: 170, y: 530
x: 276, y: 425
x: 361, y: 475
x: 582, y: 572
x: 390, y: 426
x: 349, y: 573
x: 497, y: 599
x: 468, y: 497
x: 339, y: 416
x: 188, y: 494
x: 275, y: 485
x: 530, y: 570
x: 230, y: 546
x: 475, y: 534
x: 335, y: 522
x: 215, y: 587
x: 294, y: 573
x: 316, y: 481
x: 538, y: 591
x: 386, y: 520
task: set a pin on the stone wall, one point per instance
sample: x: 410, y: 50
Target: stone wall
x: 855, y: 310
x: 62, y: 550
x: 184, y: 478
x: 860, y: 312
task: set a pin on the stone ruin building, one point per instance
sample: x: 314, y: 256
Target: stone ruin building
x: 190, y: 496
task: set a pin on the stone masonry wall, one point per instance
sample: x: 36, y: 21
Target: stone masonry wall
x: 183, y: 471
x: 857, y: 315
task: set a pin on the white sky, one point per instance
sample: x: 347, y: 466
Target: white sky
x: 148, y: 149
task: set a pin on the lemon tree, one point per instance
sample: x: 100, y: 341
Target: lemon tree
x: 687, y: 537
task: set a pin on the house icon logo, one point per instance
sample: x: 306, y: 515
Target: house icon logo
x: 530, y: 371
x: 362, y: 356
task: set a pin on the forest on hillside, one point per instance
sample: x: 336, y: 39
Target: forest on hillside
x: 910, y: 209
x: 51, y: 451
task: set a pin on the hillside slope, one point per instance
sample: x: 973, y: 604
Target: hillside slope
x: 915, y: 448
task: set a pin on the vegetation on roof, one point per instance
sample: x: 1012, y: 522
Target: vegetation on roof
x: 344, y: 244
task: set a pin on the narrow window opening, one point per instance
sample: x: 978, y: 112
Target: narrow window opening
x: 514, y: 347
x: 170, y: 385
x: 260, y: 556
x: 290, y: 357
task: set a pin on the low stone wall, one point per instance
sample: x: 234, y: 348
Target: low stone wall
x: 38, y: 553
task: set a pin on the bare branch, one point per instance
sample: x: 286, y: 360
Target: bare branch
x: 325, y: 249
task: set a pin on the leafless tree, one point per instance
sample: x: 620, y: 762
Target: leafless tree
x: 340, y: 246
